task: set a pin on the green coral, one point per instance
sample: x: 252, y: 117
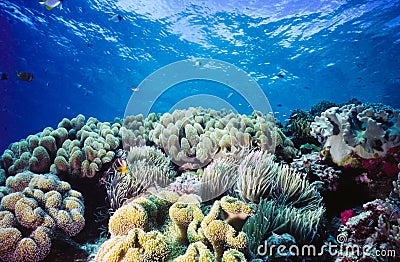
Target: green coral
x: 272, y: 216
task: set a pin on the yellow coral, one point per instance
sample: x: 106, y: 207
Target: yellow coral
x: 18, y: 182
x: 182, y: 214
x: 235, y: 212
x: 71, y: 222
x: 112, y: 249
x: 233, y: 205
x: 8, y: 202
x: 34, y: 193
x: 8, y: 239
x: 33, y: 248
x: 28, y: 213
x: 196, y: 252
x: 45, y: 183
x: 126, y: 218
x: 136, y: 246
x: 195, y: 232
x: 220, y: 233
x: 7, y: 219
x: 233, y: 255
x: 52, y: 199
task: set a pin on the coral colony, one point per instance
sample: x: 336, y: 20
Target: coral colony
x: 206, y: 185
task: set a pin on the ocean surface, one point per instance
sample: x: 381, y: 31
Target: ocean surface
x: 88, y: 57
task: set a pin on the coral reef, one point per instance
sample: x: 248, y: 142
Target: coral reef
x: 375, y: 229
x: 298, y: 127
x: 197, y: 252
x: 76, y: 147
x: 260, y: 177
x: 90, y: 146
x: 136, y: 245
x: 187, y: 229
x: 148, y: 167
x: 194, y: 137
x: 272, y: 216
x: 204, y: 185
x: 134, y: 132
x: 365, y: 131
x: 218, y: 177
x: 316, y: 167
x: 35, y: 207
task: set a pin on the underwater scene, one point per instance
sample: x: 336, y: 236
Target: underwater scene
x: 196, y: 131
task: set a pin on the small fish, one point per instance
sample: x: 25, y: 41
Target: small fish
x: 51, y: 4
x: 279, y: 105
x: 3, y: 76
x: 120, y: 166
x: 135, y: 89
x: 25, y: 76
x: 229, y: 95
x: 115, y: 18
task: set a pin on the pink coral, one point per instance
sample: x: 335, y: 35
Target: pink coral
x: 346, y: 215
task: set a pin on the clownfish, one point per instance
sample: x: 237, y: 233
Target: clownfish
x: 120, y: 166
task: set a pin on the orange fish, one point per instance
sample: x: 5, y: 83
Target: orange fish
x: 120, y: 166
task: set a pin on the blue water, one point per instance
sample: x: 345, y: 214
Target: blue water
x: 84, y: 63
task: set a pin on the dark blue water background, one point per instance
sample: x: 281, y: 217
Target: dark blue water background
x: 84, y: 63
